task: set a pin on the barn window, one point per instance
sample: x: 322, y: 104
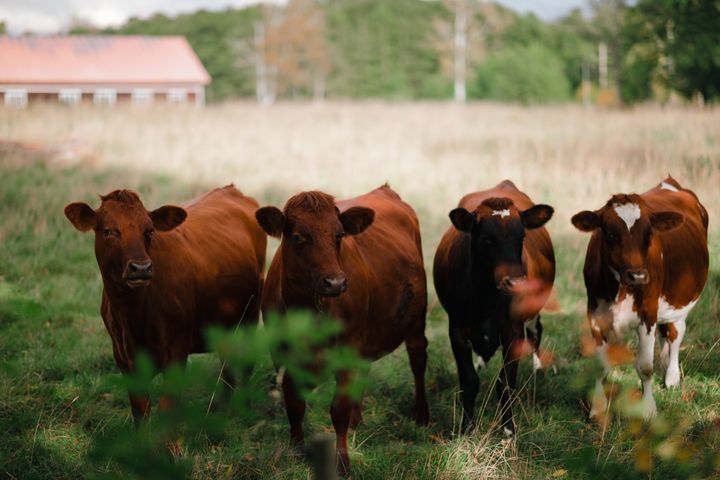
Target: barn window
x: 142, y: 96
x: 177, y: 95
x: 70, y: 96
x: 105, y: 96
x: 16, y: 97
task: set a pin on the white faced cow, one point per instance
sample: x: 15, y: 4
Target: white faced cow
x: 646, y: 265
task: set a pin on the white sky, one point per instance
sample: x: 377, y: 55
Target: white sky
x: 49, y: 16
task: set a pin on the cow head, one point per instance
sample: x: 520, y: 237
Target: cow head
x: 497, y: 231
x: 123, y: 234
x: 311, y: 229
x: 626, y: 230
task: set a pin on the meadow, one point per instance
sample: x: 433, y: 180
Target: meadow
x: 56, y: 366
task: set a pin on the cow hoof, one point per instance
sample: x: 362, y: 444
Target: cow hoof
x: 649, y: 409
x: 343, y: 464
x: 672, y: 379
x: 480, y: 365
x: 421, y: 415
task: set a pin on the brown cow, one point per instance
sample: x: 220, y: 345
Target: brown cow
x: 493, y: 272
x: 646, y: 265
x: 360, y: 261
x: 169, y: 273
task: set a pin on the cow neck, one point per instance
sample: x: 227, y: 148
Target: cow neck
x: 487, y: 300
x: 127, y: 305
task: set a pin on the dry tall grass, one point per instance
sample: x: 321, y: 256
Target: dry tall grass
x: 431, y: 153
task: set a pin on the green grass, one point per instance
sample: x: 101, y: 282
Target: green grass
x: 56, y: 370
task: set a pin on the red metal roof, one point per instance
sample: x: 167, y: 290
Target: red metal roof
x: 99, y: 59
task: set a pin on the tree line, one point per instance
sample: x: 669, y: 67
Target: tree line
x: 612, y: 53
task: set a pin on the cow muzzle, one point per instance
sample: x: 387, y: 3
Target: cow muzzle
x: 509, y: 284
x: 138, y: 273
x: 636, y: 277
x: 331, y: 286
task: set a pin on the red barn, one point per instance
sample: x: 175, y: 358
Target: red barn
x: 100, y: 69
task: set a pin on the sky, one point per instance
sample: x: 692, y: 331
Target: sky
x: 50, y: 16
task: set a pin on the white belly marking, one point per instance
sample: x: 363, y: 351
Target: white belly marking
x: 669, y: 314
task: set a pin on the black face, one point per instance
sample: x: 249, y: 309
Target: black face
x: 497, y: 233
x: 497, y: 245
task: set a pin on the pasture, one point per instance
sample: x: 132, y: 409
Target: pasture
x: 56, y: 395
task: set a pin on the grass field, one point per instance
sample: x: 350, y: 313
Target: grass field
x: 56, y: 359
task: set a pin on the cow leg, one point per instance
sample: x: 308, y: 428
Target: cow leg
x: 140, y: 404
x: 675, y: 337
x: 469, y: 382
x: 599, y: 403
x: 533, y: 332
x: 644, y: 367
x: 356, y: 415
x: 340, y: 412
x: 416, y: 346
x: 506, y: 384
x: 295, y: 408
x: 663, y: 334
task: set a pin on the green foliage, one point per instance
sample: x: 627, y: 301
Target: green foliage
x: 673, y: 42
x: 526, y: 74
x: 64, y: 412
x: 292, y: 340
x: 221, y: 39
x: 382, y: 49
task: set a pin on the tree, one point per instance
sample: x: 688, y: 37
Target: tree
x: 683, y: 38
x: 525, y: 74
x: 291, y: 53
x: 607, y: 21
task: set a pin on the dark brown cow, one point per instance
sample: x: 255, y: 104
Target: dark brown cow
x: 359, y: 260
x: 493, y: 272
x: 169, y: 273
x: 646, y: 265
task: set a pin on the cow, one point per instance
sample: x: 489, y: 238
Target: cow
x: 646, y: 265
x: 493, y: 271
x: 171, y: 272
x: 359, y: 261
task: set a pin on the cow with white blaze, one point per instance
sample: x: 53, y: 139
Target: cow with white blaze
x: 646, y: 265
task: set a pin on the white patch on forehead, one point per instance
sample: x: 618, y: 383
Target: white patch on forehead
x: 669, y: 314
x: 501, y: 213
x: 667, y: 186
x: 628, y: 213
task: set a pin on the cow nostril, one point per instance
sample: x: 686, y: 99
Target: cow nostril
x: 335, y: 283
x: 637, y: 277
x: 140, y: 267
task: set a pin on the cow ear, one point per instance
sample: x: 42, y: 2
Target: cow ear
x: 271, y: 219
x: 664, y: 221
x: 536, y: 216
x: 586, y: 221
x: 356, y: 219
x: 81, y: 216
x: 462, y: 219
x: 167, y: 217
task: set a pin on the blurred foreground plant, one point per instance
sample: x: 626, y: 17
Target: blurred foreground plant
x: 164, y: 446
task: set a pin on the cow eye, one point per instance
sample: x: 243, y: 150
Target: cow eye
x: 108, y: 232
x: 297, y: 239
x: 339, y: 236
x: 149, y: 233
x: 611, y: 237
